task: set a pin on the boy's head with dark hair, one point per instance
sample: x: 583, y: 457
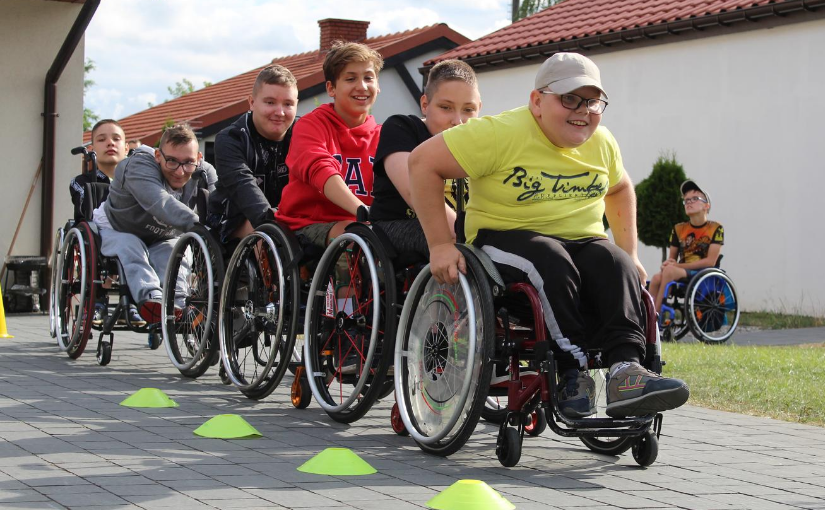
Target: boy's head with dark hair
x: 109, y: 145
x: 451, y: 96
x: 274, y: 102
x: 351, y: 72
x: 178, y: 154
x: 449, y: 70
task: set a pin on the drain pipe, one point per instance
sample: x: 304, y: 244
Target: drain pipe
x: 49, y: 120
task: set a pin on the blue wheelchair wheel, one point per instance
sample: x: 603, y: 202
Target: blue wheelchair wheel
x: 711, y: 306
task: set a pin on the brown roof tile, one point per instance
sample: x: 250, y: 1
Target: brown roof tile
x: 227, y: 98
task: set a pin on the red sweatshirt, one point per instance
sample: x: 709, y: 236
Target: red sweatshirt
x: 322, y: 146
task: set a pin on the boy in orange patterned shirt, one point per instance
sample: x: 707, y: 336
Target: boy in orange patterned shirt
x: 697, y: 242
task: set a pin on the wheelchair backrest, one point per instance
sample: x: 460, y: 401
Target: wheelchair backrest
x: 96, y: 194
x: 201, y: 202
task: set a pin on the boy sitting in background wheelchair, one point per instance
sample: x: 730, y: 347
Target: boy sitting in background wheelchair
x: 541, y: 179
x: 697, y: 242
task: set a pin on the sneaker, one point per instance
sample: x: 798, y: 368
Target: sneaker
x: 632, y: 390
x: 352, y: 363
x: 577, y: 394
x: 134, y: 318
x: 151, y: 310
x: 100, y: 312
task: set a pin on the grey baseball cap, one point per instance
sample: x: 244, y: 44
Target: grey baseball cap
x: 690, y: 185
x: 565, y: 72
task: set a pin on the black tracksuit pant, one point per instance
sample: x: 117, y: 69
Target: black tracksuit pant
x: 589, y: 288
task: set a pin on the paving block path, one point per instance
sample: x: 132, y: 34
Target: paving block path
x: 66, y: 443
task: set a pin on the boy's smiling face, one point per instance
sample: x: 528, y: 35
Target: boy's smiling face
x: 565, y: 128
x: 355, y: 91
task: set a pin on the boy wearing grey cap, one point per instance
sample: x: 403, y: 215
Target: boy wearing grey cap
x: 697, y: 242
x: 541, y: 178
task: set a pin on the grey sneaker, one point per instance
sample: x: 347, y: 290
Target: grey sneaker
x: 632, y: 390
x: 577, y: 394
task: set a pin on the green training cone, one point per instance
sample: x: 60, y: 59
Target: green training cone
x: 469, y: 495
x: 227, y: 426
x: 149, y: 397
x: 337, y: 462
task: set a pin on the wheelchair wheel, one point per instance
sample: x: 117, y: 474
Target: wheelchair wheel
x: 260, y: 301
x: 443, y: 358
x: 76, y: 290
x: 191, y: 342
x: 54, y: 265
x: 350, y: 329
x: 604, y: 445
x: 711, y: 306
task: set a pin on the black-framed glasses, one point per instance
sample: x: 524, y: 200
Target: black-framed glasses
x: 173, y: 164
x: 690, y: 200
x: 572, y: 102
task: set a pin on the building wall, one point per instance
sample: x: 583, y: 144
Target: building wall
x: 31, y: 34
x: 743, y: 113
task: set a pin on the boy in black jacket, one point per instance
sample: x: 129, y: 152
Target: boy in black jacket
x: 250, y: 156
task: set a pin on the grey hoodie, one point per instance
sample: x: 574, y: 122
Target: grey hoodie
x: 142, y: 203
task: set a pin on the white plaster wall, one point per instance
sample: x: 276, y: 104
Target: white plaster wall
x: 744, y: 114
x: 31, y: 34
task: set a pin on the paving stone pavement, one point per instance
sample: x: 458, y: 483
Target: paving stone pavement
x: 66, y: 443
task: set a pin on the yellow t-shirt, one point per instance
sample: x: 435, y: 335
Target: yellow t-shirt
x: 519, y: 180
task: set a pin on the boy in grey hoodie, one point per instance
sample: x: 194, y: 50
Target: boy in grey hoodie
x: 150, y: 204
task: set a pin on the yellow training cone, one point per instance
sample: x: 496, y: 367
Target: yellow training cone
x: 4, y: 333
x: 149, y: 397
x: 469, y: 495
x: 227, y: 426
x: 337, y: 462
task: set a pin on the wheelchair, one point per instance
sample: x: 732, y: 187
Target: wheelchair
x: 706, y: 305
x: 190, y: 313
x: 81, y: 274
x: 259, y: 312
x: 351, y: 314
x: 449, y: 339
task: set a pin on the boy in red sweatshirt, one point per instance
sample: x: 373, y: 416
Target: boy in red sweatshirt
x: 333, y: 147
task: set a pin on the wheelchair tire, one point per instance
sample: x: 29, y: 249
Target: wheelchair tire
x: 76, y: 293
x: 191, y: 339
x: 711, y: 306
x: 350, y: 339
x: 54, y: 265
x: 441, y: 388
x: 495, y: 409
x: 508, y: 446
x: 646, y: 449
x: 260, y: 301
x: 604, y: 445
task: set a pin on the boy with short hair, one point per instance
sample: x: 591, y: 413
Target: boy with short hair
x: 697, y: 242
x: 109, y: 146
x: 541, y: 179
x: 450, y: 98
x: 250, y: 156
x: 333, y: 147
x: 150, y: 203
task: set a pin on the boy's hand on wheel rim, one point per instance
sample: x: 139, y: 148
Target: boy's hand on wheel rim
x: 445, y: 263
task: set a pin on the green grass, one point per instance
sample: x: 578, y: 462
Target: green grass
x: 772, y: 320
x: 785, y: 383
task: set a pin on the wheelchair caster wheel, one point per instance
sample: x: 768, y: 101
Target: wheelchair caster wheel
x: 104, y: 354
x: 537, y: 423
x: 646, y: 449
x: 397, y: 423
x: 301, y: 392
x: 508, y: 446
x: 225, y: 380
x: 155, y: 339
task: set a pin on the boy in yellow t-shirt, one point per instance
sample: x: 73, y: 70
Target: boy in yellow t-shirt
x: 541, y: 178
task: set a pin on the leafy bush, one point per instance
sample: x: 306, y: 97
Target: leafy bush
x: 660, y: 202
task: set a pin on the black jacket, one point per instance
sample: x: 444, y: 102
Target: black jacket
x: 77, y: 188
x: 244, y: 190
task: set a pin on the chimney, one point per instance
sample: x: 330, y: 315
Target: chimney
x: 341, y: 30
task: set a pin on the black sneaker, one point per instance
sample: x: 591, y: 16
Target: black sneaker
x: 100, y: 313
x: 632, y: 390
x: 577, y: 394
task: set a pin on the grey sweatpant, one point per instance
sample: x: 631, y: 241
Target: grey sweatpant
x: 143, y: 265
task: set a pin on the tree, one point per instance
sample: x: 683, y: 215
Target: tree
x: 89, y: 117
x: 530, y: 7
x: 659, y: 201
x: 181, y: 88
